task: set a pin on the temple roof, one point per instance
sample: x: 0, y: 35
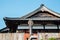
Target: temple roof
x: 42, y: 8
x: 6, y: 29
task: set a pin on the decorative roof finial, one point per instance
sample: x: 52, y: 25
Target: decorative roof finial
x: 42, y: 4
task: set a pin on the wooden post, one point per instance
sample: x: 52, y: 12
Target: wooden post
x: 38, y: 36
x: 30, y: 23
x: 58, y: 31
x: 17, y: 34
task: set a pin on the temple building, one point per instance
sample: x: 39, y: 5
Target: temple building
x: 40, y: 23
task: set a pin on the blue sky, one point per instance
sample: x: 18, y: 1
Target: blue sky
x: 18, y: 8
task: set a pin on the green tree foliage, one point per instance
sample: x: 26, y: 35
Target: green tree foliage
x: 52, y: 38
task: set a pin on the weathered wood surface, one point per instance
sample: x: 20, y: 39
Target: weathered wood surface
x: 20, y: 36
x: 11, y: 36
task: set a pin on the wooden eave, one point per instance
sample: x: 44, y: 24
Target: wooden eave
x: 32, y: 19
x: 4, y: 30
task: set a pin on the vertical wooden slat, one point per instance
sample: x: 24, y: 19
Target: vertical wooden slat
x: 15, y: 36
x: 4, y: 36
x: 11, y: 36
x: 59, y: 34
x: 0, y: 36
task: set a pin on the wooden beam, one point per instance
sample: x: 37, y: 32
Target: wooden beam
x: 44, y: 26
x: 57, y: 26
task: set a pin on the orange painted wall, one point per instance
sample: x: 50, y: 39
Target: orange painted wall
x: 26, y: 35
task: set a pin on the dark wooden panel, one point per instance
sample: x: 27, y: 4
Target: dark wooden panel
x: 43, y: 14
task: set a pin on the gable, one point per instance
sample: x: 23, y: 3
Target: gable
x: 42, y: 12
